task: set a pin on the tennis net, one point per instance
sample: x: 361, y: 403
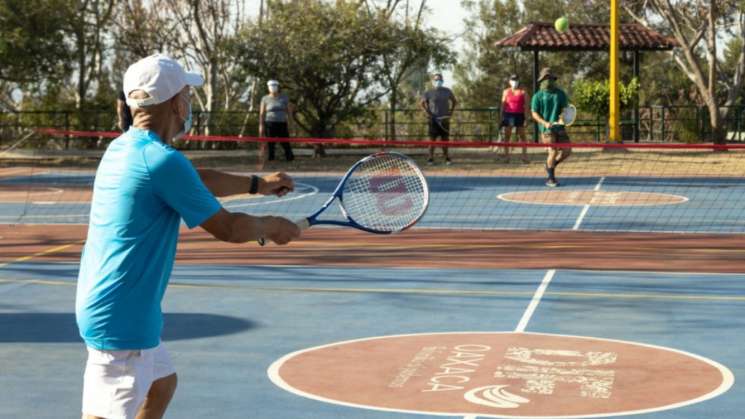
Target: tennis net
x: 603, y: 187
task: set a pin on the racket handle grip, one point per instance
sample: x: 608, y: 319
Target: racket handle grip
x: 302, y: 224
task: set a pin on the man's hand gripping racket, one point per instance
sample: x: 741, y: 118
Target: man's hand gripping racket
x: 383, y: 193
x: 568, y: 116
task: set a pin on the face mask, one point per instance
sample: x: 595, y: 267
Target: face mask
x: 439, y: 83
x: 187, y: 125
x: 273, y: 89
x: 514, y: 84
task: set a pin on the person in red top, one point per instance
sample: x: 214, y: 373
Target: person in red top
x: 515, y: 102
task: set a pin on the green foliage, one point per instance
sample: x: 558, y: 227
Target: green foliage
x: 407, y: 57
x: 732, y: 51
x: 334, y: 60
x: 32, y: 40
x: 483, y: 72
x: 593, y: 96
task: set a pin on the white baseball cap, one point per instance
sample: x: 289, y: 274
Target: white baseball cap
x: 272, y: 83
x: 160, y: 76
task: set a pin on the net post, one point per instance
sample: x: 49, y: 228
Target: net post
x: 614, y: 135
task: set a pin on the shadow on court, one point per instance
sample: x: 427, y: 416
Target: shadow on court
x: 61, y: 327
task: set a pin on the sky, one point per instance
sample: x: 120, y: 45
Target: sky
x: 445, y: 15
x: 448, y: 16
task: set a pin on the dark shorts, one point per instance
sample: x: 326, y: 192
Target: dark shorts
x: 276, y: 129
x: 513, y: 119
x: 557, y: 136
x: 439, y: 128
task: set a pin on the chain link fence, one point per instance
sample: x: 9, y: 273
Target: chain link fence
x: 687, y: 124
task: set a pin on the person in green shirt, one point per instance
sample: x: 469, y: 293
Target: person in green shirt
x: 547, y: 107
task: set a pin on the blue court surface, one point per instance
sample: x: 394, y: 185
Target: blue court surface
x: 678, y: 204
x: 266, y: 341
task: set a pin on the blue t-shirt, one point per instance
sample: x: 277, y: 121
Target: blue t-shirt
x: 143, y: 189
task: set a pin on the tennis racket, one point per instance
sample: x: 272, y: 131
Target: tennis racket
x: 439, y: 121
x: 383, y: 193
x: 569, y: 115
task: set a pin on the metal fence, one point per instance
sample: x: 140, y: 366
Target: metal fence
x: 656, y: 124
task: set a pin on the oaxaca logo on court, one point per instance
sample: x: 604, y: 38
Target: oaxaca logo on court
x: 505, y: 375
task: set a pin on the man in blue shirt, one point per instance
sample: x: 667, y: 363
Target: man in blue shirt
x: 142, y: 191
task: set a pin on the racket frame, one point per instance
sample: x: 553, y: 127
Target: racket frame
x: 339, y: 193
x: 570, y: 106
x: 439, y: 119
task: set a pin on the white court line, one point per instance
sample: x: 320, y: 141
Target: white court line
x: 549, y: 275
x: 587, y: 206
x: 535, y: 301
x: 525, y: 319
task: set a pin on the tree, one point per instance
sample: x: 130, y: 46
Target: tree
x: 328, y: 56
x: 594, y: 96
x: 87, y: 25
x: 31, y: 39
x: 205, y: 28
x: 410, y: 51
x: 196, y: 32
x: 32, y: 45
x: 483, y: 71
x: 697, y: 26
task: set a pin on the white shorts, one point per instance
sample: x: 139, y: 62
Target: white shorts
x: 116, y: 382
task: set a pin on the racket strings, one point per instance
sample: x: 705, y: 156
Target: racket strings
x: 386, y: 193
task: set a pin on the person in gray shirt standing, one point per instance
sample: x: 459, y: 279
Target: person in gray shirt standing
x: 439, y: 104
x: 273, y: 117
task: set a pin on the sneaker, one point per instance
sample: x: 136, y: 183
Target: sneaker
x: 430, y: 162
x: 448, y: 162
x: 552, y: 183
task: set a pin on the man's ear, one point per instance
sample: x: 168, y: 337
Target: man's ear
x: 177, y: 104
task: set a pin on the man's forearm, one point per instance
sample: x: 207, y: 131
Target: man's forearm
x: 245, y: 228
x: 537, y: 118
x: 224, y: 184
x: 425, y: 108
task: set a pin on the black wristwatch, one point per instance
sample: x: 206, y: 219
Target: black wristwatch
x: 254, y: 188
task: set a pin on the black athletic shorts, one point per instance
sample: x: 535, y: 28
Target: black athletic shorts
x: 439, y: 128
x: 513, y: 119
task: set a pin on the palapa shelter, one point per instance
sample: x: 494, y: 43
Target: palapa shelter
x: 541, y: 36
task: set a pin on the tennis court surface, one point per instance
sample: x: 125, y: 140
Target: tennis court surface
x: 620, y: 293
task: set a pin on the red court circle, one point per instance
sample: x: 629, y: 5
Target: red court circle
x: 594, y: 198
x: 505, y: 375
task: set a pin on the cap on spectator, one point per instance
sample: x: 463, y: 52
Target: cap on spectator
x: 546, y: 73
x: 272, y: 83
x: 160, y: 76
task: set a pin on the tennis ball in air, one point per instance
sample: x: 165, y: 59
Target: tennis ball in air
x: 561, y: 24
